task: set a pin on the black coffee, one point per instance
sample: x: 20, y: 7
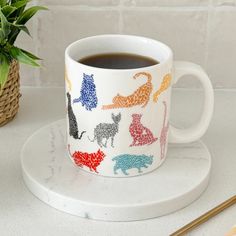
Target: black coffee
x: 118, y: 61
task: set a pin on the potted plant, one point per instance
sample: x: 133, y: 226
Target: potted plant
x: 13, y: 17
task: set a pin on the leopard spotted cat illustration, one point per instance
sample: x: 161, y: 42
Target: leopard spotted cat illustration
x: 141, y: 135
x: 164, y: 86
x: 139, y: 97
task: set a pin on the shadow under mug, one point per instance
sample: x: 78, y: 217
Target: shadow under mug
x: 118, y: 119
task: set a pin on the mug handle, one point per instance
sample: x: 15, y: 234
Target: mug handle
x: 197, y: 130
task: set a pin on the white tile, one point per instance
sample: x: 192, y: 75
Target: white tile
x: 56, y: 32
x: 224, y: 3
x: 81, y: 2
x: 166, y: 2
x: 183, y: 31
x: 221, y: 60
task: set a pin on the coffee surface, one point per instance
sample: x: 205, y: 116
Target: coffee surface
x: 118, y: 61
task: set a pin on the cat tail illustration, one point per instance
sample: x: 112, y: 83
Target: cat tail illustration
x: 165, y: 111
x: 76, y: 100
x: 94, y: 138
x: 77, y: 136
x: 153, y: 141
x: 149, y: 77
x: 164, y: 85
x: 83, y: 132
x: 111, y: 106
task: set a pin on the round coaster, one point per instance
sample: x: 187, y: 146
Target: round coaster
x: 53, y: 178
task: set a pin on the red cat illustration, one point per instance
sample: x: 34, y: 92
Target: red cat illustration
x: 140, y: 134
x: 91, y: 160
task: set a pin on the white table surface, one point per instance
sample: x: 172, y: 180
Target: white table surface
x: 23, y: 214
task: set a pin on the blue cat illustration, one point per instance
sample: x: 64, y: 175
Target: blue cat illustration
x: 88, y: 96
x: 127, y: 161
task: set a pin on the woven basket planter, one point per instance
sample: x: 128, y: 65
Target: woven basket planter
x: 10, y: 94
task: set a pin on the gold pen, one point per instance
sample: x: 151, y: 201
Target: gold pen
x: 203, y: 218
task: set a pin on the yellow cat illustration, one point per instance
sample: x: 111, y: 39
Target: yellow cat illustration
x: 164, y: 85
x: 138, y: 97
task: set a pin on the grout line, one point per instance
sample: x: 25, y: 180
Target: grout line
x: 123, y: 7
x: 175, y: 89
x: 36, y: 46
x: 44, y: 87
x: 143, y: 8
x: 208, y: 30
x: 121, y: 3
x: 164, y: 8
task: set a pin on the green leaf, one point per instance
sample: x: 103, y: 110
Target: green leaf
x: 22, y: 27
x: 22, y: 57
x: 3, y: 3
x: 26, y: 15
x: 19, y: 4
x: 2, y: 36
x: 13, y: 35
x: 15, y: 30
x: 5, y: 25
x: 13, y: 1
x: 8, y: 10
x: 4, y: 69
x: 31, y: 55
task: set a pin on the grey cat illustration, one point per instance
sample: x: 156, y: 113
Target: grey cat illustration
x: 106, y: 131
x: 127, y: 161
x: 73, y: 127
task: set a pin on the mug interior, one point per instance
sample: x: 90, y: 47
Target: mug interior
x: 102, y: 44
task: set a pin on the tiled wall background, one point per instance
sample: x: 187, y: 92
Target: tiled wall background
x: 202, y: 31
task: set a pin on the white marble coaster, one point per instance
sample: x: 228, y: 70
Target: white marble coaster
x: 53, y: 178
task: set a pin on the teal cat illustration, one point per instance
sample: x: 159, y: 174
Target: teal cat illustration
x: 127, y: 161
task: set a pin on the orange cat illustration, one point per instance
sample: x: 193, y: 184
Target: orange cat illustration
x: 164, y: 85
x: 68, y: 82
x: 139, y: 97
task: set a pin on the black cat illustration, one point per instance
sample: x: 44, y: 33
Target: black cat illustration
x: 73, y: 127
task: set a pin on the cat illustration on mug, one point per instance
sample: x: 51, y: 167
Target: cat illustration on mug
x: 164, y: 132
x: 164, y: 86
x: 106, y: 131
x: 127, y: 161
x: 139, y: 97
x: 73, y: 126
x: 88, y: 95
x: 141, y: 135
x: 91, y: 160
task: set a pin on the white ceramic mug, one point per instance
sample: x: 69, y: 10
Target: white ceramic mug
x: 118, y: 120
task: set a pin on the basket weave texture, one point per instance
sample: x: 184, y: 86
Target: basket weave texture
x: 10, y: 94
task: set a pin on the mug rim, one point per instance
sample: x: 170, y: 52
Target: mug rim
x: 141, y: 38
